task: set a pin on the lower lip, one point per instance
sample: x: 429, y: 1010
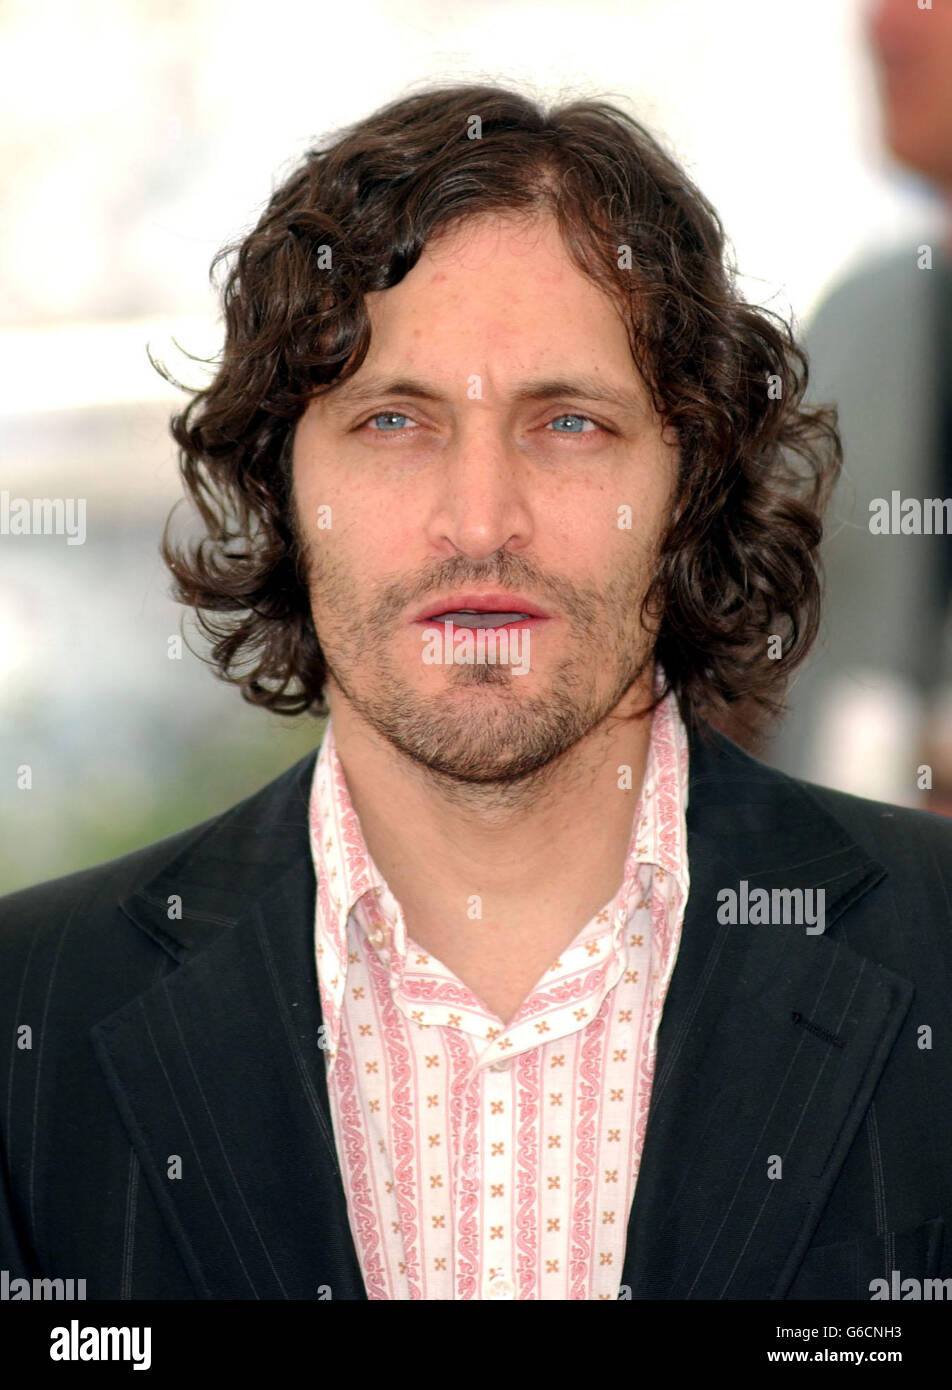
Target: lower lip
x: 518, y: 624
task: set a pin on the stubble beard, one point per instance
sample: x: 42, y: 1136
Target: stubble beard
x: 481, y: 733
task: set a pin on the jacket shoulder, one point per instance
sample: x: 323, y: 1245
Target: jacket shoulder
x: 898, y: 837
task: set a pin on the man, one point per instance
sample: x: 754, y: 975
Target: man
x: 527, y: 984
x: 881, y: 346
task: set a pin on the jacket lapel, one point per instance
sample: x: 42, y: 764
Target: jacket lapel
x: 217, y: 1070
x: 770, y: 1046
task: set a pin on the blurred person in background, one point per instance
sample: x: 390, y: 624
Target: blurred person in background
x: 881, y: 347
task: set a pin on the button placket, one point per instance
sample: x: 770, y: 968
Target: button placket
x: 498, y: 1091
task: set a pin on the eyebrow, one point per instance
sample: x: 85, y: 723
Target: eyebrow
x: 585, y: 387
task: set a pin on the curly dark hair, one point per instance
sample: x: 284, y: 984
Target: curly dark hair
x: 739, y: 563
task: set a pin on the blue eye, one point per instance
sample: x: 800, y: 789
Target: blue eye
x: 387, y: 415
x: 396, y: 422
x: 580, y: 418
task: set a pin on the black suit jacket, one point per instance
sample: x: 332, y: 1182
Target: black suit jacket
x: 155, y: 1037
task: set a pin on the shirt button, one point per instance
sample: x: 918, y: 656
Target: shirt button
x: 501, y: 1066
x: 501, y: 1288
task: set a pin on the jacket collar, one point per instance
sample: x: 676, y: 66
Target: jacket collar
x: 219, y: 1062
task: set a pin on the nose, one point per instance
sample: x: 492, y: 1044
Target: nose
x: 481, y: 504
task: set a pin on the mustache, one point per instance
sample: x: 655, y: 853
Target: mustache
x: 393, y: 600
x: 389, y: 601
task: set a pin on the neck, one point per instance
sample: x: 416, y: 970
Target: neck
x: 527, y: 850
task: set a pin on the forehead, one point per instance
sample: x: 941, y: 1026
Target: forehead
x: 503, y: 288
x: 492, y: 253
x: 478, y: 242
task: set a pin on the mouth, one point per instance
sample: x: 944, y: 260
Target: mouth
x: 468, y: 617
x: 483, y: 611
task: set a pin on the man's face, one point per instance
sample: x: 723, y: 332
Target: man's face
x: 479, y: 494
x: 913, y: 52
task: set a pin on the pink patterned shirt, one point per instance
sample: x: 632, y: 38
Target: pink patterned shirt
x: 483, y: 1160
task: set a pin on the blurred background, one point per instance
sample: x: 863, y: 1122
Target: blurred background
x: 137, y: 138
